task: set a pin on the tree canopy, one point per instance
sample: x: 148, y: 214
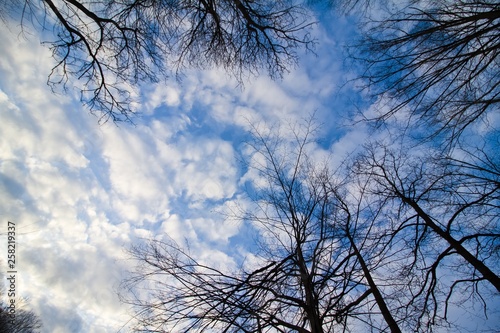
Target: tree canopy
x: 439, y: 62
x: 106, y: 47
x: 394, y: 240
x: 314, y: 272
x: 398, y: 237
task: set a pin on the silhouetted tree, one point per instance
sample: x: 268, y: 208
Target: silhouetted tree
x: 435, y: 67
x: 14, y: 318
x: 438, y: 63
x: 444, y: 213
x: 358, y: 223
x: 310, y: 277
x: 22, y: 322
x: 388, y: 242
x: 110, y: 45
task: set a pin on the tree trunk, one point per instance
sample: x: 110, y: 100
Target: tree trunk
x: 389, y: 319
x: 487, y: 273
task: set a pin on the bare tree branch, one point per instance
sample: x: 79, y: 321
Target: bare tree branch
x: 108, y: 47
x: 440, y: 61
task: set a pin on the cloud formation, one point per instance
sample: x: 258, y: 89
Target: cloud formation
x: 81, y: 193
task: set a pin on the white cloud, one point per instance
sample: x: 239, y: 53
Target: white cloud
x: 163, y: 94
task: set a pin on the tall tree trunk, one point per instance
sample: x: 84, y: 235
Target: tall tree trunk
x: 311, y: 301
x: 487, y: 273
x: 386, y: 313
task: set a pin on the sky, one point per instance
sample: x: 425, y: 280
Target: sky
x: 82, y: 193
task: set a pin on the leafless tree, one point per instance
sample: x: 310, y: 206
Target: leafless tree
x: 445, y: 213
x: 348, y: 7
x: 23, y: 321
x: 436, y: 66
x: 359, y: 221
x: 387, y: 242
x: 313, y: 273
x: 439, y: 60
x: 14, y: 317
x: 108, y: 46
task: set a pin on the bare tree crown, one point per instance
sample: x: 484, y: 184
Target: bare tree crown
x: 106, y: 47
x: 440, y: 61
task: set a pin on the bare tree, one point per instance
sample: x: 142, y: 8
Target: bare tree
x: 445, y: 212
x: 108, y: 46
x: 359, y: 221
x: 295, y: 179
x: 23, y: 321
x: 310, y: 276
x: 14, y: 317
x: 440, y: 61
x: 388, y: 242
x: 436, y: 66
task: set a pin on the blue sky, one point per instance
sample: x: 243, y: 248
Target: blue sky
x: 82, y: 193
